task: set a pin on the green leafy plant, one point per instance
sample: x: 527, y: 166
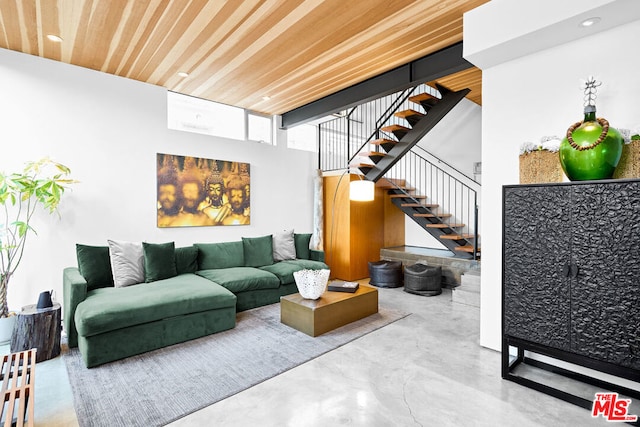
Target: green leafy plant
x: 40, y: 184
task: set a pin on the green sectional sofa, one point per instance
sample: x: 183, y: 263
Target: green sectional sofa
x: 187, y: 293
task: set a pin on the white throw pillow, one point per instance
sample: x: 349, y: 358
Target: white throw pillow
x: 127, y: 262
x: 284, y: 246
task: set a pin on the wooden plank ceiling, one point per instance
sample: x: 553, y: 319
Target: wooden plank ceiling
x: 240, y: 51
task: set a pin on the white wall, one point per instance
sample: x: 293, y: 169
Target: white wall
x: 457, y: 138
x: 536, y: 95
x: 108, y: 130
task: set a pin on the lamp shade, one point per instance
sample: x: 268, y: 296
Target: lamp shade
x: 361, y: 191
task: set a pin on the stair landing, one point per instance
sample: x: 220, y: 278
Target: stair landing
x: 452, y: 267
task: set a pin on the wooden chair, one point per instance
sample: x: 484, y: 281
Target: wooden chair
x: 18, y: 382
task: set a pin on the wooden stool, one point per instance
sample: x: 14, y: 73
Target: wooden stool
x: 18, y: 379
x: 38, y: 328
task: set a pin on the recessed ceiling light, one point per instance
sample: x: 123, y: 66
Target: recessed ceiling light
x: 266, y: 98
x: 54, y: 38
x: 183, y: 74
x: 589, y: 22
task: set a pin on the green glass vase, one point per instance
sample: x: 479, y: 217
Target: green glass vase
x: 587, y: 152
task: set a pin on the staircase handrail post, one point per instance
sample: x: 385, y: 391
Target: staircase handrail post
x: 348, y: 140
x: 319, y: 146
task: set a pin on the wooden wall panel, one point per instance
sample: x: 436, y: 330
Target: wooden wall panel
x: 355, y: 231
x: 394, y: 220
x: 337, y: 225
x: 367, y: 234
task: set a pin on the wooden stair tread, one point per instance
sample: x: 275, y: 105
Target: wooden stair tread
x: 382, y: 141
x: 406, y: 196
x: 419, y: 205
x: 466, y: 248
x: 408, y: 113
x: 365, y: 165
x: 430, y: 215
x: 391, y: 128
x: 397, y: 187
x: 386, y: 144
x: 422, y: 97
x: 444, y: 225
x: 392, y: 184
x: 372, y: 154
x: 456, y: 236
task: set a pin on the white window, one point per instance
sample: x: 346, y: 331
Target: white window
x: 259, y: 128
x: 303, y: 137
x: 190, y: 114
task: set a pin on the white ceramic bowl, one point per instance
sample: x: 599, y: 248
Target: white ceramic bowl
x: 311, y: 283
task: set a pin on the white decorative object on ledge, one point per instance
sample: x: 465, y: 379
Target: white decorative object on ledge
x: 311, y: 283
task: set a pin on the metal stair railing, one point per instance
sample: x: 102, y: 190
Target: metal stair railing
x: 408, y: 137
x: 341, y: 139
x: 454, y: 192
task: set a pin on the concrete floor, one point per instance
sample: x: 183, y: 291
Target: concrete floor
x: 426, y: 369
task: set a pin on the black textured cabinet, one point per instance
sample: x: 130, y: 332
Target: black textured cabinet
x: 571, y: 276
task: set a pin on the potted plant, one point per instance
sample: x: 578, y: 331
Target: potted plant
x: 39, y: 184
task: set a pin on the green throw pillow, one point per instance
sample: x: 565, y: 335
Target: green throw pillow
x: 302, y: 245
x: 159, y: 261
x: 258, y: 251
x: 186, y: 260
x: 220, y: 255
x: 95, y: 266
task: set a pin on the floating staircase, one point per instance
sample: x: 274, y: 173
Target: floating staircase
x: 398, y: 139
x: 390, y: 146
x: 429, y: 217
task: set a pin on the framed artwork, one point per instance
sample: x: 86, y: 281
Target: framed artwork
x: 196, y: 192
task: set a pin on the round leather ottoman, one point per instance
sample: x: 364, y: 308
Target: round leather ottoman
x: 385, y: 274
x: 421, y: 279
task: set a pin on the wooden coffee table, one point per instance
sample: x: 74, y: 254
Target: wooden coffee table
x: 330, y: 311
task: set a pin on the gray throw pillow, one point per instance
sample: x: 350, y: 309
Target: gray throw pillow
x: 127, y: 262
x: 284, y: 246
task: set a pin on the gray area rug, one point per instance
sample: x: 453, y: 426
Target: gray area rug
x: 161, y: 386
